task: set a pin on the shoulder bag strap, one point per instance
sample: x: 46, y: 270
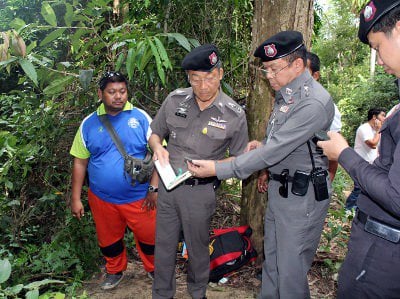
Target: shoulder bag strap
x: 114, y: 136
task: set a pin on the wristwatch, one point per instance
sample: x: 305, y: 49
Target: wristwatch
x: 152, y: 189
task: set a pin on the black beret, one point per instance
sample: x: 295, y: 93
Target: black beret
x: 203, y: 58
x: 279, y: 45
x: 372, y: 13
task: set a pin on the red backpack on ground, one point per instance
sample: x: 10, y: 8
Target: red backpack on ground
x: 230, y: 249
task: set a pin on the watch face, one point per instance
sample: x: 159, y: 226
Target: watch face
x: 152, y: 189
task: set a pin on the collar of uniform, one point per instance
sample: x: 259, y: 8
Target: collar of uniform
x: 102, y: 110
x: 218, y: 101
x: 292, y: 87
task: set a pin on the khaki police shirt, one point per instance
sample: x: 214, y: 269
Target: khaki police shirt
x: 302, y: 108
x: 198, y: 134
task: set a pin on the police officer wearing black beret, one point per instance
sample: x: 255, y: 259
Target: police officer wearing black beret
x: 372, y: 266
x: 286, y: 158
x: 201, y: 122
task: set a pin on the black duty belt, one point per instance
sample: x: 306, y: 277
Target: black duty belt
x: 200, y: 181
x: 278, y: 177
x: 378, y: 228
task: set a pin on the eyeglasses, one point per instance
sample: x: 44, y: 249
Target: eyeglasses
x: 208, y: 80
x: 272, y: 73
x: 283, y: 190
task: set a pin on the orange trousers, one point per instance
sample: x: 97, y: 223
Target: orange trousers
x: 111, y: 221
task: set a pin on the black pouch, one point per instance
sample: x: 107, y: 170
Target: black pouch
x: 301, y: 180
x: 139, y: 170
x: 318, y: 178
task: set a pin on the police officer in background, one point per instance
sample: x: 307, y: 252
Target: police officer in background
x: 294, y: 217
x: 201, y: 122
x: 372, y: 265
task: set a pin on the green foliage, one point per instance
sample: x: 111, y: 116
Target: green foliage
x: 51, y: 56
x: 31, y: 289
x: 345, y: 68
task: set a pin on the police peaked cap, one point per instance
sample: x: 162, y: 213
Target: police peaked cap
x: 203, y: 58
x: 279, y: 45
x: 371, y: 14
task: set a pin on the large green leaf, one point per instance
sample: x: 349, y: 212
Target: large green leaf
x: 181, y: 39
x: 32, y: 294
x: 52, y: 36
x: 5, y: 270
x: 58, y: 85
x: 130, y: 62
x: 156, y: 55
x: 40, y: 283
x: 17, y: 24
x: 163, y: 54
x: 69, y: 14
x: 29, y: 69
x: 48, y: 14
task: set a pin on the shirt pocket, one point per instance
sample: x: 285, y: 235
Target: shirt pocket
x: 213, y: 142
x: 178, y: 129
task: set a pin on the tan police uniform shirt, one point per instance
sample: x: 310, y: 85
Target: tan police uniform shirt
x: 198, y: 134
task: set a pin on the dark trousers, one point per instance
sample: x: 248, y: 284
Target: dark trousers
x: 371, y: 268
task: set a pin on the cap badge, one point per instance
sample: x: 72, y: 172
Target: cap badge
x: 270, y: 50
x: 213, y: 58
x: 369, y: 11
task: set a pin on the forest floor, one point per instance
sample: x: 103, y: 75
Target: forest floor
x: 244, y: 283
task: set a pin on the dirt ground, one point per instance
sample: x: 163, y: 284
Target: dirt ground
x: 241, y: 285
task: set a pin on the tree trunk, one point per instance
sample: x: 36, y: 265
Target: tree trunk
x: 270, y: 17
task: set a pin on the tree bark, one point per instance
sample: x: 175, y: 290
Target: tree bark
x: 270, y: 17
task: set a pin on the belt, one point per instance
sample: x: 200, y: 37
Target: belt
x: 199, y: 181
x: 278, y: 177
x: 376, y: 227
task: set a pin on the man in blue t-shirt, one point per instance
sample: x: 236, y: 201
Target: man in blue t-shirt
x: 115, y: 200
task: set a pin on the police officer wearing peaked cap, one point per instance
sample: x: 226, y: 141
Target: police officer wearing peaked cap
x: 371, y: 268
x: 294, y: 218
x: 201, y: 122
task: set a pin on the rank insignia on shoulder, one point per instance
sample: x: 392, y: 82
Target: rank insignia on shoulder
x: 284, y: 109
x: 307, y: 91
x: 288, y: 91
x: 235, y: 107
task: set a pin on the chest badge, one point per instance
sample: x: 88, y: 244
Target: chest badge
x: 181, y: 112
x: 218, y: 125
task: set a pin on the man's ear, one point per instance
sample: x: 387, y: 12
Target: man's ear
x: 221, y: 73
x: 316, y: 75
x: 100, y: 94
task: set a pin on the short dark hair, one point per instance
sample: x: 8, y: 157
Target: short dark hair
x: 315, y: 63
x: 111, y: 76
x: 299, y: 53
x: 374, y: 112
x: 387, y: 22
